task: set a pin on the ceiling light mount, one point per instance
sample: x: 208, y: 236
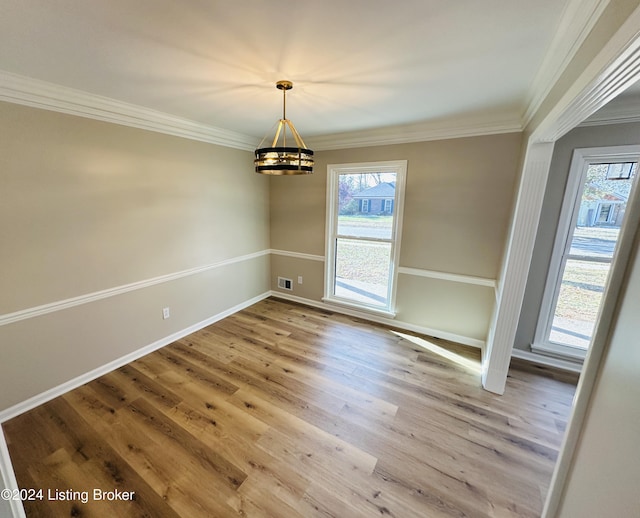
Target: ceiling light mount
x: 282, y: 159
x: 284, y: 85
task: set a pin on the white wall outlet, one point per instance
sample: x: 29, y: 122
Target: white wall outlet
x: 299, y: 279
x: 165, y: 313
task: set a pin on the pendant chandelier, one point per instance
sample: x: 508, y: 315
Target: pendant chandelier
x: 282, y: 159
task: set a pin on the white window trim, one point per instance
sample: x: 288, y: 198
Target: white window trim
x: 399, y: 167
x: 577, y: 172
x: 387, y: 203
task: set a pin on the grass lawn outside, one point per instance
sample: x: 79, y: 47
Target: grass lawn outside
x: 363, y: 261
x: 581, y: 290
x: 583, y: 282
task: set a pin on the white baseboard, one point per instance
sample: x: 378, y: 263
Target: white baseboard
x: 464, y: 340
x: 8, y: 481
x: 50, y: 394
x: 7, y: 475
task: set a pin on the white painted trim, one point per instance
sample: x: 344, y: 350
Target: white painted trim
x: 445, y: 335
x: 609, y: 119
x: 354, y: 306
x: 548, y: 361
x: 8, y: 478
x: 420, y: 132
x: 559, y: 351
x: 298, y: 255
x: 620, y: 110
x: 453, y: 277
x: 65, y: 387
x: 577, y: 20
x: 48, y: 96
x: 36, y: 311
x: 513, y: 277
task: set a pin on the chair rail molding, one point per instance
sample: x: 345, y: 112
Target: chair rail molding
x: 59, y: 305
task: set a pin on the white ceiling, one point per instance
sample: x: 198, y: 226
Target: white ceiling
x: 356, y: 65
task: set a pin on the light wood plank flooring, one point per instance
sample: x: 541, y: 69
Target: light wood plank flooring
x: 288, y: 411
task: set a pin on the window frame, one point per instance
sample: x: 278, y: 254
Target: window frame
x: 399, y: 167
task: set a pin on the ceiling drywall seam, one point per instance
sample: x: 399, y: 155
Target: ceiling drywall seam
x: 48, y: 96
x: 578, y: 18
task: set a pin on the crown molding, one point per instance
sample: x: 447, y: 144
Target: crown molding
x: 23, y: 90
x: 27, y: 91
x: 419, y: 132
x: 620, y: 110
x: 576, y: 22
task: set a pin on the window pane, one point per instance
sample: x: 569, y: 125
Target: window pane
x: 365, y: 204
x: 594, y: 241
x: 602, y: 207
x: 362, y: 271
x: 579, y: 299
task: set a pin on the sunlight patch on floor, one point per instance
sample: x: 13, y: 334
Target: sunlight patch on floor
x: 471, y: 365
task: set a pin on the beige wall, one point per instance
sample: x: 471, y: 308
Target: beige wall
x: 457, y: 204
x: 603, y: 479
x: 88, y: 206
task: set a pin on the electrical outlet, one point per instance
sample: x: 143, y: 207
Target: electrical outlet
x: 299, y: 279
x: 165, y: 313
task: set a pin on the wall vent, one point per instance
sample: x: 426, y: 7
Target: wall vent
x: 285, y: 284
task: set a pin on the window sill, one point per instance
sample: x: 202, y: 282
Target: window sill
x: 563, y: 352
x: 357, y: 307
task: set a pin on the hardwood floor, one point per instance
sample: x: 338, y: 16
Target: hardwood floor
x: 288, y: 411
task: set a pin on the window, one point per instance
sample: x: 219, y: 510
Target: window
x: 363, y: 237
x: 601, y: 181
x: 604, y: 213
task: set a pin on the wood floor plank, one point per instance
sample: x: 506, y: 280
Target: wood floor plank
x: 286, y: 410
